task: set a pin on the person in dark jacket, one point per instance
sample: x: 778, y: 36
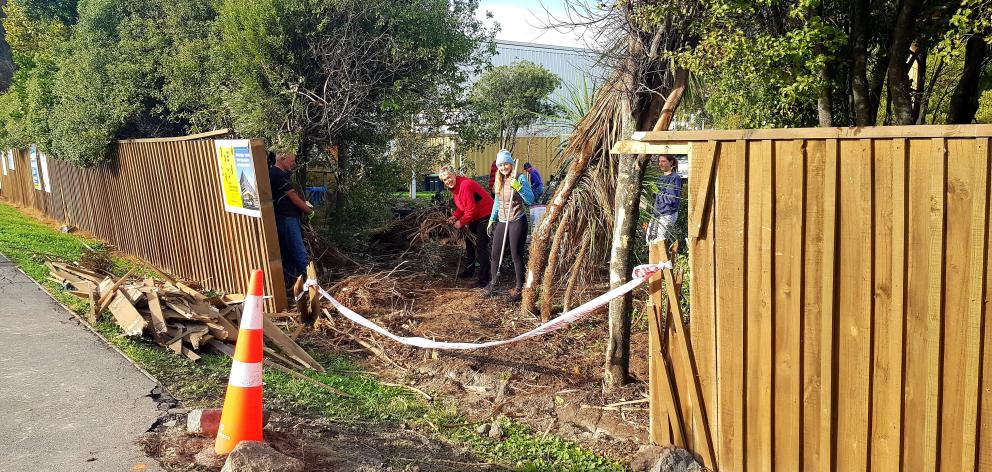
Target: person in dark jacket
x: 536, y: 184
x: 472, y: 208
x: 288, y: 207
x: 666, y: 204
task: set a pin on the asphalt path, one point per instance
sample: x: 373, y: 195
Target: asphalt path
x: 68, y: 402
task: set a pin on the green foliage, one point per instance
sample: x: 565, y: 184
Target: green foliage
x: 984, y: 114
x: 756, y: 73
x: 506, y: 99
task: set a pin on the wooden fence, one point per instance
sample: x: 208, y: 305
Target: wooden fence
x: 841, y: 308
x: 160, y: 200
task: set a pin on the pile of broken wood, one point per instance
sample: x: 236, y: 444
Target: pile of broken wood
x: 175, y: 315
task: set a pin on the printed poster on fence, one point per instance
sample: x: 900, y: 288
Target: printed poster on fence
x: 10, y: 160
x: 239, y: 187
x: 44, y: 172
x: 35, y: 170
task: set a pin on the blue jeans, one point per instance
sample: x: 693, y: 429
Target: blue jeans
x: 294, y: 253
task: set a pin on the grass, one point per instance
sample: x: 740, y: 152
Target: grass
x: 27, y: 242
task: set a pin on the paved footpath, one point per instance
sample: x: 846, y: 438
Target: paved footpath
x: 68, y: 402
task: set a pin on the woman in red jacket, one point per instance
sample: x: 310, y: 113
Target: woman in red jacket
x: 473, y: 205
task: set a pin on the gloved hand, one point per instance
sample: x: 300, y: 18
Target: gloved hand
x: 516, y: 185
x: 491, y: 227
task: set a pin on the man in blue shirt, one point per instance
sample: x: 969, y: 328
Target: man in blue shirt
x: 536, y: 185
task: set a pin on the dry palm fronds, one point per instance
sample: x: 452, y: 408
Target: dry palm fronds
x: 421, y: 226
x: 373, y: 290
x: 580, y: 213
x: 434, y: 226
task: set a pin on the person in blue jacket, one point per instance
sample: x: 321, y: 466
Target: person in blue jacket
x: 536, y: 184
x: 666, y: 204
x: 509, y: 217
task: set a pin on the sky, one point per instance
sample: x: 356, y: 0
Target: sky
x: 521, y: 20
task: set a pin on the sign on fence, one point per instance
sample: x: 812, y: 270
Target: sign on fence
x: 239, y: 186
x: 35, y: 171
x: 10, y: 159
x: 3, y: 161
x: 44, y: 172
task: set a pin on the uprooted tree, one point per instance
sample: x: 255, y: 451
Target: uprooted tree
x: 600, y: 194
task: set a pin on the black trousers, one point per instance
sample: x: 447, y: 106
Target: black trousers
x: 516, y: 239
x: 479, y: 250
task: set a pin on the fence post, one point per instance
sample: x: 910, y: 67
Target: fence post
x: 269, y: 232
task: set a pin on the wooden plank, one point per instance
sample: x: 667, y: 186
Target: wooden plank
x: 709, y: 153
x: 759, y: 385
x: 890, y: 269
x: 869, y: 132
x: 729, y: 213
x: 639, y: 147
x: 155, y: 307
x: 126, y: 316
x: 270, y: 236
x: 855, y: 262
x: 964, y: 270
x: 789, y: 190
x: 702, y: 299
x: 815, y: 156
x: 828, y: 317
x: 684, y: 362
x: 662, y: 406
x: 984, y: 450
x: 106, y: 295
x: 204, y: 135
x: 288, y: 346
x: 923, y: 288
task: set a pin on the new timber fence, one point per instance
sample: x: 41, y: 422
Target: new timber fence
x: 161, y: 200
x: 841, y: 307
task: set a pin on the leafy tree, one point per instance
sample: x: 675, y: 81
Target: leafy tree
x: 312, y: 72
x: 778, y: 63
x: 506, y: 99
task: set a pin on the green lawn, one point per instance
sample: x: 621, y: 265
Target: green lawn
x: 28, y: 242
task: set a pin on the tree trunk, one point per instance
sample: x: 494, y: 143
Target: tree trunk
x: 900, y: 93
x: 541, y: 237
x: 964, y: 102
x: 876, y: 82
x: 628, y: 194
x: 859, y: 64
x: 627, y: 197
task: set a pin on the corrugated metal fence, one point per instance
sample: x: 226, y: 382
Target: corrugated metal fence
x: 540, y: 151
x: 161, y: 201
x: 841, y: 297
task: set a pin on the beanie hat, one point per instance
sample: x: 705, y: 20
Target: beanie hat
x: 503, y: 157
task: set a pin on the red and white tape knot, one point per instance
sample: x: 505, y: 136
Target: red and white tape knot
x: 647, y: 270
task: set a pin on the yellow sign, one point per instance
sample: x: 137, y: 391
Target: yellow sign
x: 239, y: 186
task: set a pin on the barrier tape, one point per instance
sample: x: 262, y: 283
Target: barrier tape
x: 641, y: 274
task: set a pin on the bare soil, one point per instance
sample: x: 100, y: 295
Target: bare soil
x: 323, y: 446
x: 552, y: 383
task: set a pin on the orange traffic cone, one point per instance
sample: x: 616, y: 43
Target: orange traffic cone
x: 241, y: 419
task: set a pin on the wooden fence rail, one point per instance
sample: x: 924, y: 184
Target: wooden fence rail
x: 841, y: 307
x: 160, y: 200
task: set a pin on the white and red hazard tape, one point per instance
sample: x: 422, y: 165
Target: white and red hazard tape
x: 641, y: 274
